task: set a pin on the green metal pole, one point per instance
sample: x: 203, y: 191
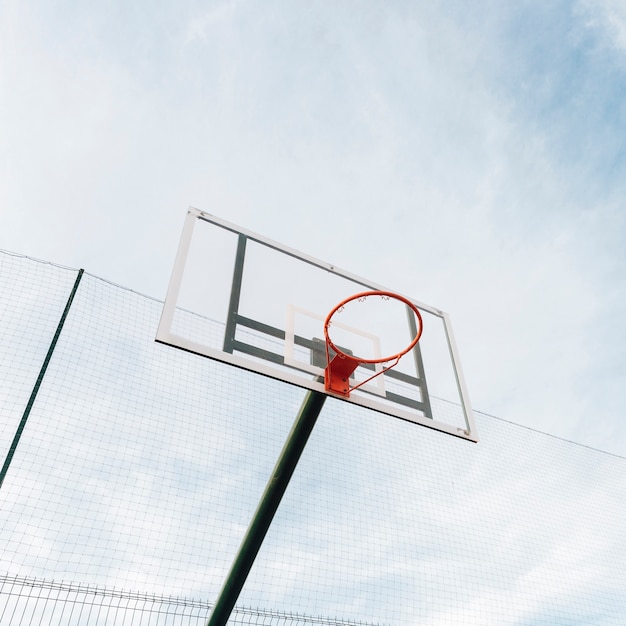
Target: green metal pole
x: 260, y: 523
x: 42, y: 373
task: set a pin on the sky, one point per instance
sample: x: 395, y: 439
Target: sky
x: 472, y: 158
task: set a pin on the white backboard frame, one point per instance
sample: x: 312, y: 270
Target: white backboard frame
x: 166, y: 335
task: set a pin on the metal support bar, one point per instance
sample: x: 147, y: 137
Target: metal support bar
x: 260, y: 523
x: 235, y: 294
x: 419, y: 365
x: 42, y: 372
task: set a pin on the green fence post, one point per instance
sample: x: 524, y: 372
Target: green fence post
x: 42, y: 372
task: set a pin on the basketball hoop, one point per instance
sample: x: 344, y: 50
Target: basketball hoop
x: 342, y: 365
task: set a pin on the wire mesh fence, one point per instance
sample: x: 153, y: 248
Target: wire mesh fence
x: 140, y: 466
x: 47, y: 602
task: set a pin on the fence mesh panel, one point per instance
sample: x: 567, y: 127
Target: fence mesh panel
x: 140, y: 466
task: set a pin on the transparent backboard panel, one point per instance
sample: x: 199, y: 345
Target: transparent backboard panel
x: 243, y: 299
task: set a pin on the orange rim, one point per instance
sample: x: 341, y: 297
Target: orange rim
x: 363, y: 295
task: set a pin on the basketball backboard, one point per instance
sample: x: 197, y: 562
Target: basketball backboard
x: 243, y: 299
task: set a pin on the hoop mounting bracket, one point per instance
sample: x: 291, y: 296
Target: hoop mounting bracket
x: 338, y: 372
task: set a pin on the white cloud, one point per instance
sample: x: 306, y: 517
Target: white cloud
x: 609, y: 15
